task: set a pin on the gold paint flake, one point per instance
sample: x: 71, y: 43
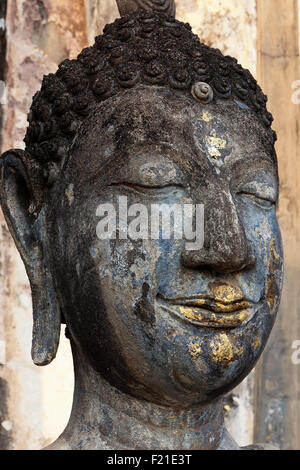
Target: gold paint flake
x: 272, y: 289
x: 171, y: 333
x: 195, y: 315
x: 190, y: 313
x: 273, y: 249
x: 223, y: 350
x: 215, y: 144
x: 194, y: 350
x: 70, y: 193
x: 219, y: 306
x: 227, y: 294
x: 256, y: 343
x: 207, y: 117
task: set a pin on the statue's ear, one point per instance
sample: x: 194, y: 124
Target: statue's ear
x: 21, y: 198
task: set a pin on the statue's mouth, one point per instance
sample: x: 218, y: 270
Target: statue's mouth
x: 208, y: 311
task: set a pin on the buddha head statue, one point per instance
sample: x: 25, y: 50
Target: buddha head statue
x: 160, y: 327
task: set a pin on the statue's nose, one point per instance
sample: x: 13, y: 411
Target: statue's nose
x: 226, y: 248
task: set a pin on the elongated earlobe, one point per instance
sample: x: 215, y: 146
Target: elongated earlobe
x: 21, y: 200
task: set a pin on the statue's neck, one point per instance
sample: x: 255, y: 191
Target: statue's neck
x: 105, y: 418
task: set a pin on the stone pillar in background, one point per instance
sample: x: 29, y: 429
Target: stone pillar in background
x: 228, y: 25
x: 98, y: 14
x: 5, y: 424
x: 39, y: 35
x: 278, y: 384
x: 2, y: 60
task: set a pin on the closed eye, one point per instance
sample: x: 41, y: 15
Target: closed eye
x: 261, y: 201
x: 150, y: 190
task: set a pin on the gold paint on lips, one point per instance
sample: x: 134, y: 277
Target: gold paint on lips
x: 220, y: 295
x: 223, y: 307
x: 210, y: 317
x: 218, y: 306
x: 226, y: 294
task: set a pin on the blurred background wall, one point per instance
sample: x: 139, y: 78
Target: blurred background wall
x: 35, y: 35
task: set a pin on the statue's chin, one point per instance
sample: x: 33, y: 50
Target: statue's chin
x: 180, y: 389
x: 184, y: 374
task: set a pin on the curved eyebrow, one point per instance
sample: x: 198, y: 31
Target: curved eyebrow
x: 258, y: 161
x: 152, y: 163
x: 135, y: 178
x: 255, y: 164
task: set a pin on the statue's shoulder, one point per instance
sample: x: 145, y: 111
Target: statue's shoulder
x: 59, y: 444
x: 66, y: 442
x: 228, y: 443
x: 260, y: 447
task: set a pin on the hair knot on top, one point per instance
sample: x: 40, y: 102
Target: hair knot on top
x: 160, y: 6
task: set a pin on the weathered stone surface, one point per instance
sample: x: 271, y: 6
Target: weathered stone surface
x: 155, y: 327
x: 131, y: 6
x: 242, y: 34
x: 5, y: 423
x: 235, y: 34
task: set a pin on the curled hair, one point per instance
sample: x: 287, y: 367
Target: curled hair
x: 142, y: 48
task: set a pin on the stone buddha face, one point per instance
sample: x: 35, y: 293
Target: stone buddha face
x: 158, y: 321
x: 150, y: 116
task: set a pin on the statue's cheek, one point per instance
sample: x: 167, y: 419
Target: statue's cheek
x: 273, y: 283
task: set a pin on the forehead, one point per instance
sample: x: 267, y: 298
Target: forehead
x: 149, y: 122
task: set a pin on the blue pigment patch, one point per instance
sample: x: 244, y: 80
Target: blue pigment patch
x: 241, y: 105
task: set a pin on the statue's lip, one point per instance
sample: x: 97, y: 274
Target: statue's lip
x: 211, y: 303
x: 207, y: 311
